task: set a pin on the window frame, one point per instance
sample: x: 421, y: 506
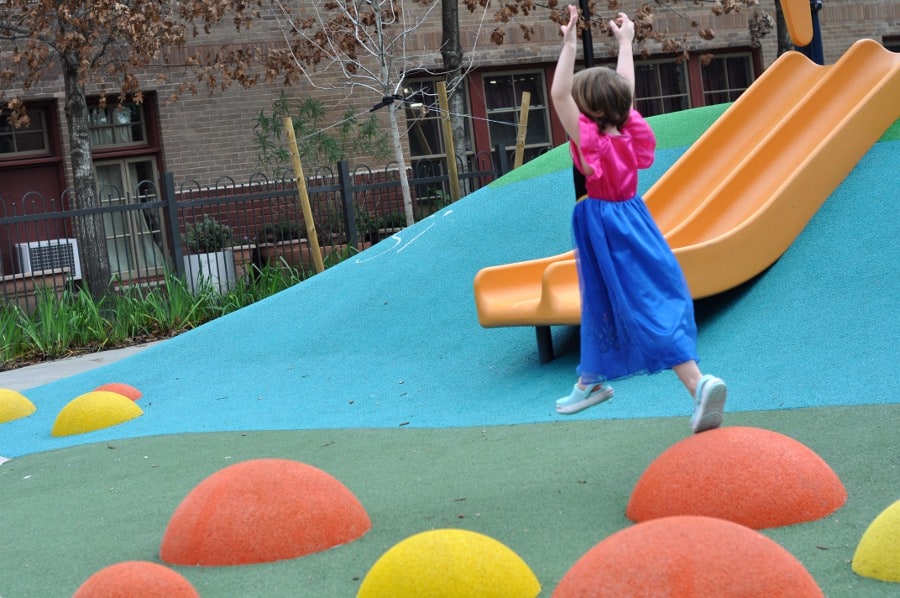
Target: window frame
x: 13, y: 133
x: 534, y: 148
x: 662, y: 98
x: 113, y: 128
x: 433, y: 114
x: 132, y: 230
x: 728, y: 90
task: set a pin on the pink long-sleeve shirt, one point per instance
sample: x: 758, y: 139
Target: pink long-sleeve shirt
x: 615, y: 159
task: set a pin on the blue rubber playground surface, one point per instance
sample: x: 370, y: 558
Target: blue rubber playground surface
x: 390, y: 341
x: 391, y: 337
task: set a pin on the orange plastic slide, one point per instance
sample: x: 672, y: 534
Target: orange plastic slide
x: 736, y: 200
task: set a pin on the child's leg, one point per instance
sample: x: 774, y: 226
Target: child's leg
x: 709, y: 395
x: 689, y: 374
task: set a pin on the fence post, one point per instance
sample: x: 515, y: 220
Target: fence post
x: 172, y: 222
x: 346, y: 185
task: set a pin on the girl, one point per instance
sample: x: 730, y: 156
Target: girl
x: 637, y: 315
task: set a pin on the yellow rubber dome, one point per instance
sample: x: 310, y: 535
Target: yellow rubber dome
x: 14, y: 405
x: 450, y: 563
x: 878, y: 553
x: 94, y: 410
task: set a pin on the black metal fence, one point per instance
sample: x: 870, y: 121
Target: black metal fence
x: 213, y: 234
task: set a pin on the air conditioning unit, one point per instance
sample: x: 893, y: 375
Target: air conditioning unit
x: 48, y: 255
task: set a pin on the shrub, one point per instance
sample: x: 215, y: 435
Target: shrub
x: 207, y: 235
x: 282, y: 231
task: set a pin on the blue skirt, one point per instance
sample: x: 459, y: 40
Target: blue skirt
x: 637, y: 315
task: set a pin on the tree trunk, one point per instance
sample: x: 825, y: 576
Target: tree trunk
x: 784, y: 39
x: 401, y: 165
x: 385, y: 73
x: 457, y: 104
x: 88, y: 230
x: 452, y: 54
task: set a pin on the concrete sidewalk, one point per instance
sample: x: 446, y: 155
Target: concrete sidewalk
x: 42, y: 373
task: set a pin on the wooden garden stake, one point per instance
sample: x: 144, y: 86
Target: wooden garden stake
x: 522, y: 129
x: 452, y: 171
x: 303, y: 196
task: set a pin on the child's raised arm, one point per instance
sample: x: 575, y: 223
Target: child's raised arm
x: 561, y: 88
x: 623, y: 30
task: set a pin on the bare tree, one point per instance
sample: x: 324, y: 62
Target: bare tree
x: 352, y: 46
x: 106, y: 45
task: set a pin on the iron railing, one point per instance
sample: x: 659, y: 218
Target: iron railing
x: 139, y: 236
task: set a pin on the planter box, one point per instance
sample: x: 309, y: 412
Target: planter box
x: 327, y: 249
x: 21, y: 289
x: 297, y: 253
x: 292, y: 253
x: 215, y: 269
x: 386, y: 233
x: 244, y: 256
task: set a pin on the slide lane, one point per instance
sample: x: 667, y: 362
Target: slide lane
x: 761, y: 109
x: 766, y: 198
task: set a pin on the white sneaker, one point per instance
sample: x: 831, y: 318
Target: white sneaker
x: 580, y: 400
x: 709, y: 404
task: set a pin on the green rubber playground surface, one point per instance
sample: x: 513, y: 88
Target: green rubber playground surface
x: 547, y: 491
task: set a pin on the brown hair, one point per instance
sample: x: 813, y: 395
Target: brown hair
x: 602, y: 95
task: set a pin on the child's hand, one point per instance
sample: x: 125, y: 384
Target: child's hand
x: 569, y: 29
x: 622, y: 28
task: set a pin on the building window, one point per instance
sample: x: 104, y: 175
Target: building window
x: 423, y: 118
x: 25, y: 140
x: 427, y: 145
x: 117, y: 126
x: 134, y: 237
x: 661, y: 87
x: 891, y: 42
x: 725, y: 78
x: 503, y: 99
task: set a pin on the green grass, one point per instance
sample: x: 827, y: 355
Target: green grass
x: 73, y: 322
